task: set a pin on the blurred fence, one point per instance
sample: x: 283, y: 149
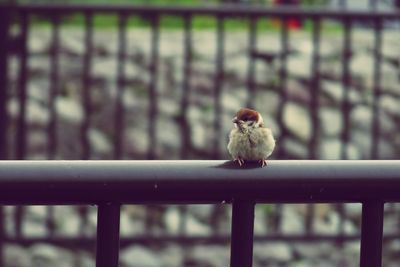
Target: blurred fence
x: 17, y: 139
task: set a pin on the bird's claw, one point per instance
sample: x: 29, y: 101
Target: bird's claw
x: 263, y: 162
x: 240, y: 161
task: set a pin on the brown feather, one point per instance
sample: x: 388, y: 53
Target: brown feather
x: 246, y: 114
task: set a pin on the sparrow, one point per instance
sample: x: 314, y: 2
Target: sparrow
x: 250, y: 140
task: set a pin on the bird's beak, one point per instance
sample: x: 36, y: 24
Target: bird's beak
x: 235, y: 120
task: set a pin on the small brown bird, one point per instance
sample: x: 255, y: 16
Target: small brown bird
x: 250, y: 140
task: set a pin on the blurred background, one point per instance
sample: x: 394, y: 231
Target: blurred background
x: 162, y: 80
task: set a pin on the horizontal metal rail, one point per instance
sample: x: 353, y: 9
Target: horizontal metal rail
x: 109, y: 184
x: 87, y: 243
x: 124, y: 182
x: 216, y: 10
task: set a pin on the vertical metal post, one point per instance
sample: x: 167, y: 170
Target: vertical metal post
x: 107, y: 248
x: 371, y: 234
x: 346, y: 107
x: 54, y: 84
x: 153, y: 95
x: 242, y: 233
x: 219, y: 79
x: 4, y: 27
x: 21, y: 87
x: 119, y: 107
x: 375, y: 127
x: 283, y: 83
x: 251, y: 67
x: 187, y: 70
x: 86, y: 85
x: 315, y: 88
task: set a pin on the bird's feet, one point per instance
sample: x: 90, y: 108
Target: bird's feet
x: 239, y: 160
x: 263, y: 162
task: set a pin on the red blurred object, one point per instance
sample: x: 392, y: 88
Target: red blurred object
x: 293, y: 23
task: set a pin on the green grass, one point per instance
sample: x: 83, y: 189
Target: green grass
x: 176, y: 23
x: 172, y: 22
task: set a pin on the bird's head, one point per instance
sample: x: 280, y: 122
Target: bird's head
x: 248, y: 119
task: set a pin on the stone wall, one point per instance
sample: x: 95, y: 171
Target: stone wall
x: 296, y: 118
x: 296, y: 113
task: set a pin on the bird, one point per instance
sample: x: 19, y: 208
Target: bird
x: 250, y: 140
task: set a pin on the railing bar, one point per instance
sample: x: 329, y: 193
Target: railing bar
x: 218, y: 83
x: 83, y: 212
x: 183, y: 216
x: 86, y: 81
x: 341, y: 209
x: 217, y: 10
x: 107, y: 243
x: 282, y: 88
x: 346, y: 78
x: 375, y: 125
x: 153, y: 97
x: 187, y: 72
x: 371, y: 234
x: 242, y: 233
x: 199, y: 181
x: 277, y: 217
x: 53, y: 90
x: 119, y: 109
x: 5, y: 22
x: 252, y: 43
x: 21, y: 142
x: 21, y: 134
x: 18, y: 219
x: 309, y: 220
x: 148, y: 219
x: 50, y: 220
x: 2, y: 236
x: 88, y: 242
x: 315, y: 90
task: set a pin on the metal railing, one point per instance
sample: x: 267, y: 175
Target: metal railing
x: 108, y: 184
x: 22, y: 16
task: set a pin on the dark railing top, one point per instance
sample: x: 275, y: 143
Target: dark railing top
x: 93, y: 182
x: 215, y: 10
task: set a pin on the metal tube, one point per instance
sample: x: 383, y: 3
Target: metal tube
x: 53, y: 90
x: 218, y: 84
x: 119, y: 107
x: 376, y: 126
x: 22, y: 81
x: 346, y: 77
x: 219, y: 10
x: 88, y: 242
x: 107, y: 249
x: 252, y: 43
x: 371, y: 234
x: 242, y: 233
x: 315, y: 90
x: 282, y: 87
x: 90, y: 182
x: 187, y: 70
x: 153, y: 95
x: 4, y: 46
x: 86, y: 85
